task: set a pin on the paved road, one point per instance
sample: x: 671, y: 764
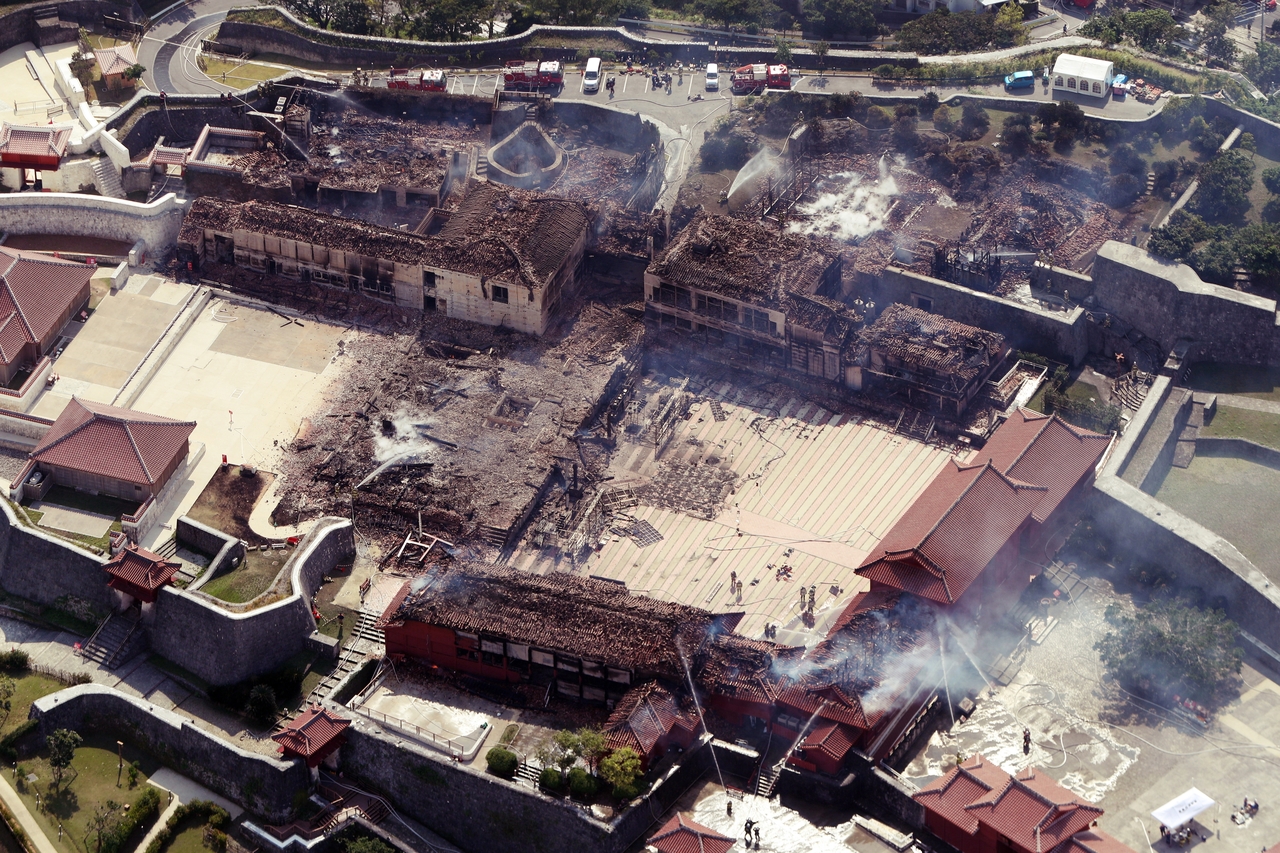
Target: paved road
x: 169, y: 48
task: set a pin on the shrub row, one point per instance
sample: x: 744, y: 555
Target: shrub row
x: 216, y: 816
x: 147, y: 807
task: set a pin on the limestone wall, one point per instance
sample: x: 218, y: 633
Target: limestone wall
x: 1058, y: 334
x: 222, y: 646
x: 156, y: 223
x: 44, y: 568
x: 263, y: 785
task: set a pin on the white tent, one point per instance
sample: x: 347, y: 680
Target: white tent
x: 1183, y: 808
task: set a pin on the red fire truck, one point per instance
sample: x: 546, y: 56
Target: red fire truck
x: 422, y: 80
x: 750, y: 79
x: 532, y: 75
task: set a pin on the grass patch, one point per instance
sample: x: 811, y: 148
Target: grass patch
x: 30, y: 687
x: 243, y: 73
x: 89, y: 784
x: 329, y: 611
x: 1260, y: 427
x: 248, y: 580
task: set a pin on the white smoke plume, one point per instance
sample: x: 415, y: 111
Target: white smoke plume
x: 856, y: 210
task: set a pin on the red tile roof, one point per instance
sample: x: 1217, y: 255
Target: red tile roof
x: 114, y: 60
x: 36, y: 141
x: 1045, y: 450
x: 141, y: 568
x: 1097, y: 841
x: 971, y: 509
x: 1033, y: 811
x: 681, y: 835
x: 311, y: 732
x: 951, y: 532
x: 112, y: 442
x: 827, y: 701
x: 36, y: 291
x: 645, y: 716
x: 832, y: 739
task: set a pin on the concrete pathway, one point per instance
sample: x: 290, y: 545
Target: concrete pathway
x: 260, y: 517
x: 25, y: 819
x: 181, y: 790
x: 1239, y: 401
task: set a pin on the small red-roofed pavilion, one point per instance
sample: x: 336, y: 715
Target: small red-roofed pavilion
x: 313, y: 735
x: 138, y: 572
x: 681, y: 835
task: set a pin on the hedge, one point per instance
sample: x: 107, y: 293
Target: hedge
x: 147, y: 807
x: 215, y: 814
x: 502, y: 762
x: 7, y: 751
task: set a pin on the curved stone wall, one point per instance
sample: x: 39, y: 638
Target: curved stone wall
x: 156, y: 224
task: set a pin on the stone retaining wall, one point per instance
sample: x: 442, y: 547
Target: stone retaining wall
x: 222, y: 647
x: 263, y: 785
x: 156, y: 224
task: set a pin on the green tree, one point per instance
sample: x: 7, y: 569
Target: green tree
x: 783, y: 50
x: 1271, y: 179
x: 621, y: 768
x: 262, y: 705
x: 320, y: 12
x: 592, y: 746
x: 841, y: 18
x: 1124, y: 159
x: 103, y: 822
x: 1204, y: 138
x: 7, y: 689
x: 820, y: 51
x: 974, y: 121
x: 1108, y: 29
x: 1009, y: 29
x: 134, y: 71
x: 1258, y: 249
x: 366, y: 844
x: 1016, y: 135
x: 729, y: 12
x: 568, y: 746
x: 502, y: 762
x: 1215, y: 261
x: 1213, y: 34
x: 1263, y: 66
x: 352, y: 16
x: 82, y: 68
x: 1177, y: 238
x: 582, y: 784
x: 61, y: 745
x: 444, y: 20
x: 1224, y: 187
x: 1169, y: 647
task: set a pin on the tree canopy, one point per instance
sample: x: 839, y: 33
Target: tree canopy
x: 1224, y: 187
x: 1169, y: 647
x: 841, y: 18
x: 942, y: 31
x: 62, y: 745
x: 1153, y: 29
x: 1213, y: 33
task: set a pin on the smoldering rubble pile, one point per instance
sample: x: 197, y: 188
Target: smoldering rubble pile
x: 462, y: 423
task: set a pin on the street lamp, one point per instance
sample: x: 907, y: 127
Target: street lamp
x: 120, y: 766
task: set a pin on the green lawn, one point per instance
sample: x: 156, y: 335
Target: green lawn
x: 239, y: 74
x: 190, y: 839
x: 1261, y: 427
x: 90, y: 783
x: 250, y: 579
x: 30, y: 687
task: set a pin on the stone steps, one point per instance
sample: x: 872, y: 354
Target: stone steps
x: 107, y: 179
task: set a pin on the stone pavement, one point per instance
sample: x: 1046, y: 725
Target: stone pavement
x: 1239, y: 401
x: 25, y: 819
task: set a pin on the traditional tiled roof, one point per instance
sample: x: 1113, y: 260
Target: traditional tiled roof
x: 1033, y: 811
x: 932, y: 344
x: 953, y: 530
x: 311, y: 732
x: 112, y: 442
x: 940, y: 546
x: 1097, y: 841
x: 831, y: 739
x: 827, y: 701
x: 114, y: 60
x: 1045, y: 450
x: 681, y: 835
x: 36, y: 141
x: 141, y: 568
x: 36, y: 292
x: 580, y: 617
x: 645, y: 715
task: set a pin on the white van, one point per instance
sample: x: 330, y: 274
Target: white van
x: 591, y: 79
x: 713, y: 78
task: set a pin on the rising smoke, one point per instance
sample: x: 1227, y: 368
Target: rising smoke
x: 854, y: 210
x: 401, y: 441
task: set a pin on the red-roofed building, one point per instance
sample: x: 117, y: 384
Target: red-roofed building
x: 825, y: 748
x: 650, y: 720
x: 38, y: 296
x: 112, y: 451
x: 979, y: 808
x: 139, y: 573
x: 113, y: 62
x: 33, y: 147
x: 313, y: 735
x: 681, y: 835
x: 971, y: 525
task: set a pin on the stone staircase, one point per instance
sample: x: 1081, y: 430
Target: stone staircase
x: 482, y: 165
x: 117, y: 639
x: 169, y: 550
x: 364, y: 639
x: 365, y: 629
x: 528, y: 773
x: 107, y: 179
x: 767, y: 779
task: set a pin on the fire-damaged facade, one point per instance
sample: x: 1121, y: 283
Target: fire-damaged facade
x: 936, y: 362
x: 593, y: 640
x: 745, y: 291
x: 503, y: 258
x: 988, y: 523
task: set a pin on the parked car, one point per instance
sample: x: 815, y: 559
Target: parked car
x: 1020, y: 80
x: 591, y: 77
x: 713, y: 78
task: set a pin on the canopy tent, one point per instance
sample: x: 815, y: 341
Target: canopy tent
x: 1183, y: 808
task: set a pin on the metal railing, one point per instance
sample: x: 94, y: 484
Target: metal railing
x: 444, y: 744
